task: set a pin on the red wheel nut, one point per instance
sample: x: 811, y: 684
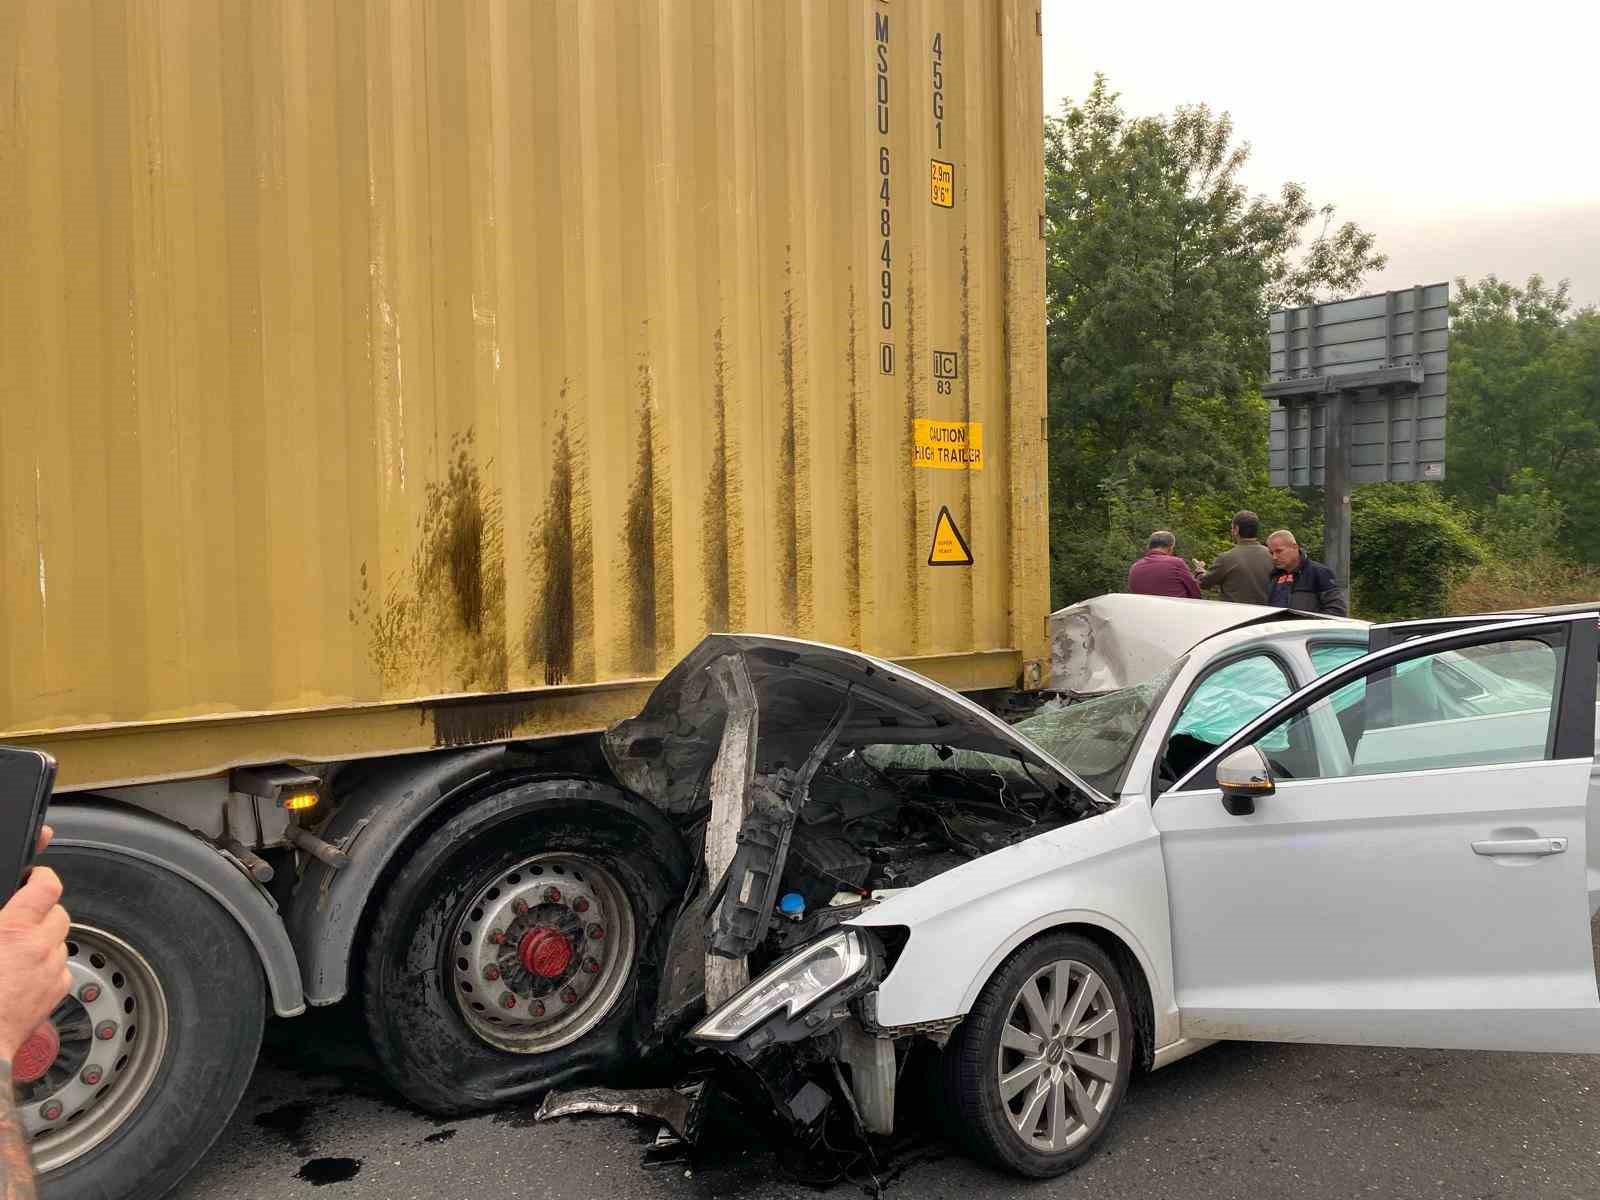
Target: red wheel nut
x: 51, y: 1111
x: 580, y: 905
x: 89, y: 993
x: 508, y: 1001
x: 568, y: 996
x: 597, y: 932
x: 491, y: 972
x: 552, y: 895
x: 92, y: 1076
x: 106, y: 1030
x: 591, y: 966
x: 497, y: 937
x: 537, y: 1008
x: 520, y: 907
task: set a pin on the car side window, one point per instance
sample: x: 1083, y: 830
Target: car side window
x: 1224, y: 702
x: 1330, y: 656
x: 1476, y: 706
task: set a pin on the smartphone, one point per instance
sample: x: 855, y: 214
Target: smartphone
x: 26, y: 780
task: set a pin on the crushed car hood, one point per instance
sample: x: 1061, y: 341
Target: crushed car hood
x: 665, y: 753
x: 1120, y: 640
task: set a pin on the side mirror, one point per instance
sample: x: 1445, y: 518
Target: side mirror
x: 1243, y: 776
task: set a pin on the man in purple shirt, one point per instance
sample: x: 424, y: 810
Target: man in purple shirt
x: 1161, y: 572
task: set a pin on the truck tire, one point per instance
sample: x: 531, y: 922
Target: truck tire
x: 511, y: 951
x: 157, y: 1040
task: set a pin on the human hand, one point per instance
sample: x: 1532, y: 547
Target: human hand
x: 1199, y: 565
x: 33, y: 956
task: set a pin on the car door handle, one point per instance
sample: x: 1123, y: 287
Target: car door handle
x: 1520, y: 846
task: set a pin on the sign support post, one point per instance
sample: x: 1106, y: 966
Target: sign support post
x: 1336, y: 489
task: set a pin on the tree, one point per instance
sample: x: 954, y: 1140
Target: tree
x: 1160, y: 272
x: 1525, y: 405
x: 1408, y: 545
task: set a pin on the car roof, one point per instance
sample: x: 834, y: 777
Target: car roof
x: 1335, y: 629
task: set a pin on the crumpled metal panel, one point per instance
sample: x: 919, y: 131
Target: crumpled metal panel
x: 1120, y: 639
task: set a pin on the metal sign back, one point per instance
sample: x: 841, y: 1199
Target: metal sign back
x: 1388, y: 353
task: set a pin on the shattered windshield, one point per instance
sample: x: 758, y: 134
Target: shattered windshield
x: 1095, y: 737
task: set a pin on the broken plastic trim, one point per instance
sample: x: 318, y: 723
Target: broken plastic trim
x: 748, y: 891
x: 680, y: 1110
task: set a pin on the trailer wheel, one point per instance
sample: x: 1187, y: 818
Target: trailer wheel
x: 510, y: 952
x: 155, y: 1043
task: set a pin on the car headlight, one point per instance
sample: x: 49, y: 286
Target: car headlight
x: 795, y: 984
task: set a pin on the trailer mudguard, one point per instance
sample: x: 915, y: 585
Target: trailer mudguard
x: 113, y: 827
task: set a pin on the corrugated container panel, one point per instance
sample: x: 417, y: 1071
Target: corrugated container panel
x: 358, y: 353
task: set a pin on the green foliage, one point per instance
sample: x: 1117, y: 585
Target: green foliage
x: 1524, y: 423
x: 1160, y: 270
x: 1408, y: 545
x: 1526, y: 517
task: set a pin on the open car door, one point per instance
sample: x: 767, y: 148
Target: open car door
x: 1401, y: 866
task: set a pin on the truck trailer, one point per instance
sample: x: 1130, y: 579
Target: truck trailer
x: 391, y: 393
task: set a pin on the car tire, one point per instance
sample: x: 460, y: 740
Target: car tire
x: 436, y: 1022
x: 1029, y: 1093
x: 183, y: 1001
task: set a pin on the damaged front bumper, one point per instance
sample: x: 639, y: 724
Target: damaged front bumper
x: 801, y: 1019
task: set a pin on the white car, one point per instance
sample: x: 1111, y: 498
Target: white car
x: 1278, y: 828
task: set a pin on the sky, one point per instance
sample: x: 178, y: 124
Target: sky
x: 1466, y: 136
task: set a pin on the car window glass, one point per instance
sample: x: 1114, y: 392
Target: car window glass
x: 1225, y: 701
x: 1094, y: 737
x: 1454, y: 708
x: 1330, y: 656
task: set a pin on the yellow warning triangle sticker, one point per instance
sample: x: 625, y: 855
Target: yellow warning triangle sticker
x: 949, y: 547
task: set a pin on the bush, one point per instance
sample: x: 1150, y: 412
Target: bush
x: 1541, y: 579
x: 1408, y: 546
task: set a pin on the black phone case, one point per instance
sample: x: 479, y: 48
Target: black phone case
x: 26, y: 780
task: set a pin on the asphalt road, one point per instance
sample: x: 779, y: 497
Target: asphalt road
x: 1237, y: 1120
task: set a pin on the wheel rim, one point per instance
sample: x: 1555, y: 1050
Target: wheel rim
x: 1059, y: 1054
x: 113, y: 1029
x: 542, y: 952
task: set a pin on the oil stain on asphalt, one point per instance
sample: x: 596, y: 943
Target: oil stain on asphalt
x: 319, y: 1172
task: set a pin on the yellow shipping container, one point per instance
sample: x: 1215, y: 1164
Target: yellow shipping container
x: 377, y: 376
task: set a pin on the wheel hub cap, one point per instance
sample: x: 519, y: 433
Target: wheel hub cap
x: 36, y: 1055
x: 542, y: 952
x: 1058, y: 1059
x: 545, y: 952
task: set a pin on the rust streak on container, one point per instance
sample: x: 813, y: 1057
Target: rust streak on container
x: 665, y: 651
x: 449, y: 601
x: 1007, y: 357
x: 965, y: 366
x: 852, y: 498
x: 788, y: 533
x: 916, y: 552
x: 548, y: 639
x: 639, y: 537
x: 714, y: 561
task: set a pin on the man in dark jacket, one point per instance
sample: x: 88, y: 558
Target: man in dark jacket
x: 1161, y: 572
x: 1299, y: 583
x: 1242, y: 572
